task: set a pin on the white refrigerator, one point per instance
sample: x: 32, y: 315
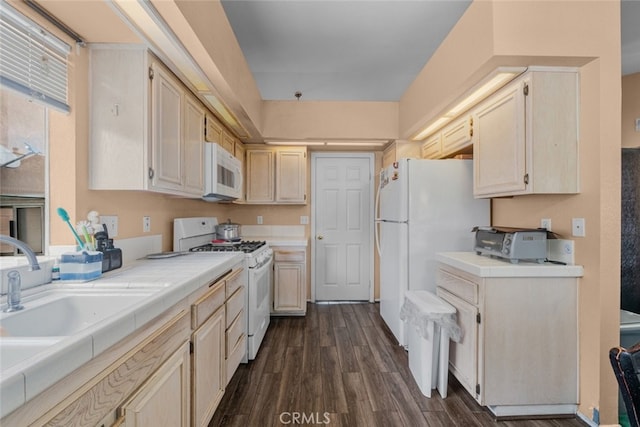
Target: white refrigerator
x: 424, y: 207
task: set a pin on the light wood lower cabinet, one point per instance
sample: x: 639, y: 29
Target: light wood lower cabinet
x: 164, y: 398
x: 519, y: 352
x: 208, y: 367
x: 153, y: 377
x: 289, y: 281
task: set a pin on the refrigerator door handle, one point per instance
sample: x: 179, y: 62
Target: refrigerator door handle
x: 378, y: 224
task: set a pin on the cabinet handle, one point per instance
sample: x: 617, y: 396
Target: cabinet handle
x: 320, y: 237
x: 526, y: 178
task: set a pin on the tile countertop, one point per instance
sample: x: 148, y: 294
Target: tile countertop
x: 171, y: 281
x: 484, y: 266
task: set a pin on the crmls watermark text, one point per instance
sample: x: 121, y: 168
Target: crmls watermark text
x: 302, y: 418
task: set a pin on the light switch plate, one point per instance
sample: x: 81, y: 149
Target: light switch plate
x: 111, y: 221
x: 578, y: 227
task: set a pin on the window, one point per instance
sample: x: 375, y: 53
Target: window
x: 23, y: 169
x: 32, y: 60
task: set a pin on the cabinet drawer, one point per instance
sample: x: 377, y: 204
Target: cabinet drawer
x: 234, y: 281
x: 207, y: 304
x: 234, y: 333
x: 289, y: 256
x: 235, y: 304
x: 236, y: 356
x: 458, y: 286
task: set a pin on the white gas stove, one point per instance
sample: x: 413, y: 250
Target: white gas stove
x: 199, y: 235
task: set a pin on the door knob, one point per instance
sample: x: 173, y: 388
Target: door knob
x: 320, y: 237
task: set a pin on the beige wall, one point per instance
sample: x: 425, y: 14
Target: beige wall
x: 521, y: 32
x: 630, y: 110
x: 580, y: 33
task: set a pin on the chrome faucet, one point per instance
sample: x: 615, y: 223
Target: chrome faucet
x: 14, y: 287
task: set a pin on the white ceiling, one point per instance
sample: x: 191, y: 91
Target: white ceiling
x: 344, y: 50
x: 358, y: 50
x: 630, y: 23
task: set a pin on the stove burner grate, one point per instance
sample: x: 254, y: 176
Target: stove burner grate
x: 243, y: 246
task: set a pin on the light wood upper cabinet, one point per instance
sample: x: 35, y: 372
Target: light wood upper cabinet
x: 239, y: 152
x: 215, y: 132
x: 291, y: 175
x: 525, y: 137
x: 400, y: 149
x: 193, y: 146
x: 432, y: 147
x: 276, y: 175
x: 457, y: 136
x: 260, y: 176
x: 146, y: 129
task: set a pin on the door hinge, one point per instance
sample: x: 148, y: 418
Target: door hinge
x: 478, y: 318
x: 191, y: 347
x: 305, y: 197
x: 477, y: 388
x: 525, y: 89
x: 526, y: 178
x: 470, y: 132
x: 151, y: 173
x: 151, y: 73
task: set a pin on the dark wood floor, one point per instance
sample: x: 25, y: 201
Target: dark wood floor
x: 342, y: 360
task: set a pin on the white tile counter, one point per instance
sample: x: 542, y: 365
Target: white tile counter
x: 169, y: 281
x: 484, y: 266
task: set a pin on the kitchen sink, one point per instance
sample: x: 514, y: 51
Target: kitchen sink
x: 64, y: 312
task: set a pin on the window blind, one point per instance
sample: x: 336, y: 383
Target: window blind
x: 32, y: 60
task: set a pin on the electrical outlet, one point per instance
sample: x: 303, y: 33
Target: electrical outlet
x: 259, y: 219
x: 111, y: 221
x: 146, y: 224
x: 304, y: 220
x: 578, y: 227
x: 545, y: 223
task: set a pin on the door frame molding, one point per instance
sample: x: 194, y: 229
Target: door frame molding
x: 343, y: 155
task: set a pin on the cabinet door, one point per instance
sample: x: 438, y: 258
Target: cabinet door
x: 463, y: 356
x: 164, y: 398
x: 289, y: 287
x: 291, y: 175
x: 239, y: 152
x: 260, y: 176
x: 228, y: 142
x: 457, y: 136
x: 209, y: 373
x: 213, y: 131
x: 432, y: 147
x: 166, y: 137
x: 499, y: 143
x: 193, y: 147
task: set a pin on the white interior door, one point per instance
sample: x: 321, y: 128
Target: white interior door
x: 342, y: 240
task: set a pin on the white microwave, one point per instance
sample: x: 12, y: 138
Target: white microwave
x: 222, y: 174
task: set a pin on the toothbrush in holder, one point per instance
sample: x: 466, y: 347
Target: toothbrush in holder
x: 65, y: 217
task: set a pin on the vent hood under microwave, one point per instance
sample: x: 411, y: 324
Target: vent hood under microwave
x: 222, y: 174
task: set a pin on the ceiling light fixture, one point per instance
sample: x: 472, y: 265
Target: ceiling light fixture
x: 488, y: 85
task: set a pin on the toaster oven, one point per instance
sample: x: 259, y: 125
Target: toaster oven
x: 513, y: 244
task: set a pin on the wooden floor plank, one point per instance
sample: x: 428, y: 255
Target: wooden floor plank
x: 311, y: 365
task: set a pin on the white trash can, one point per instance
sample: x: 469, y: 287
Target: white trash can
x: 431, y: 323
